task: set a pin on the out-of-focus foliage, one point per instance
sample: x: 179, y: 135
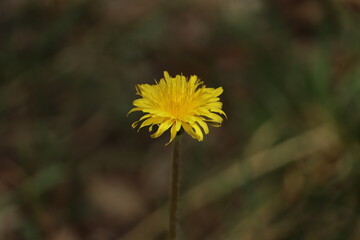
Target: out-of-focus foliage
x: 285, y: 165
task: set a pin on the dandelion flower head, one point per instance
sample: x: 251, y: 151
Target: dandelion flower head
x: 177, y: 102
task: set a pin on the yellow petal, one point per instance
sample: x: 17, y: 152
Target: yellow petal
x: 166, y: 75
x: 218, y: 111
x: 213, y: 117
x: 162, y: 128
x: 142, y: 118
x: 188, y: 119
x: 218, y: 91
x: 198, y: 132
x: 151, y: 121
x: 214, y: 105
x: 143, y: 103
x: 203, y: 125
x: 174, y: 129
x: 192, y: 83
x: 213, y: 124
x: 189, y: 130
x: 151, y: 127
x: 134, y: 110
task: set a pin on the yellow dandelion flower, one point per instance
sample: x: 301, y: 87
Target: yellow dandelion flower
x: 178, y: 103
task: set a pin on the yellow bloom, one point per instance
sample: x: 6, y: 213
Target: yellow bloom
x: 178, y: 102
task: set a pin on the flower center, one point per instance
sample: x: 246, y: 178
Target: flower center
x: 178, y: 107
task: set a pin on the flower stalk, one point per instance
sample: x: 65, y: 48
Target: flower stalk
x: 174, y: 191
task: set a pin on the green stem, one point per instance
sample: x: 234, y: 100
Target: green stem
x: 174, y: 191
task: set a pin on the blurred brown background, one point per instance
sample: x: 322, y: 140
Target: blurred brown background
x: 284, y: 165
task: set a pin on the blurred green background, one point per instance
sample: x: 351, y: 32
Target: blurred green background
x: 285, y: 165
